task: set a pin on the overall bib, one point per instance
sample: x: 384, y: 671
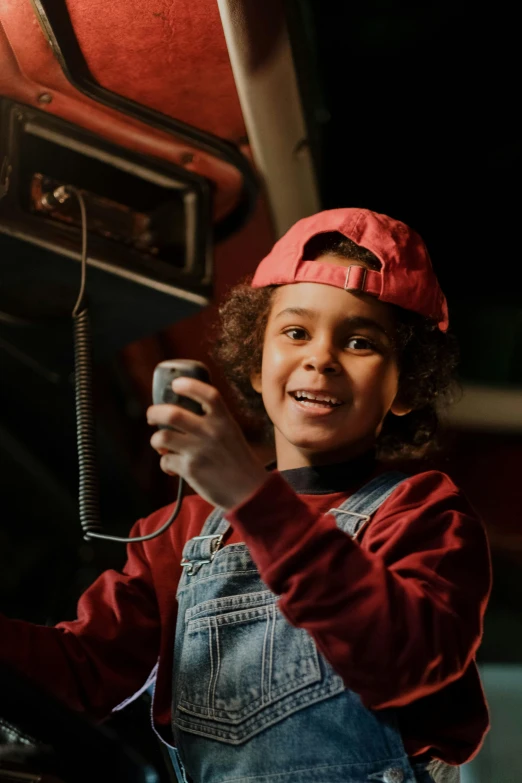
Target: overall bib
x: 253, y: 699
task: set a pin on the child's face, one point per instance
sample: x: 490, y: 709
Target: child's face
x: 323, y: 339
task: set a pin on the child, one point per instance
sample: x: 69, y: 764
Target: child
x: 328, y: 612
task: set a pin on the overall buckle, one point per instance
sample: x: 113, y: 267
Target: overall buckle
x: 215, y: 544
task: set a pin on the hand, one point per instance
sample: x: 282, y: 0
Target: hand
x: 210, y: 451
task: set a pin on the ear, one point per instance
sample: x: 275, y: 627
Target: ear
x: 399, y: 408
x: 255, y: 380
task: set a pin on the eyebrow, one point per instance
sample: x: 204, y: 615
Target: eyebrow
x: 351, y: 320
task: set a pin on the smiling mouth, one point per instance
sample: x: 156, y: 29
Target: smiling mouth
x: 316, y: 401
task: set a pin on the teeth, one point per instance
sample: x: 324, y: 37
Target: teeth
x: 321, y: 397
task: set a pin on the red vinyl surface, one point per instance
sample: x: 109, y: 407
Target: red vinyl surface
x: 30, y: 70
x: 170, y: 56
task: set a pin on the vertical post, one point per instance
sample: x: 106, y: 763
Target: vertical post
x: 260, y: 54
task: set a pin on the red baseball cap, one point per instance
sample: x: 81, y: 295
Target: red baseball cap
x: 406, y: 279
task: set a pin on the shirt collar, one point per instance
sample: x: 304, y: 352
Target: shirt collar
x: 326, y: 479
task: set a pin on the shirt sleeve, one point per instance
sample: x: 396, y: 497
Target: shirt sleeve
x: 96, y: 661
x: 399, y: 615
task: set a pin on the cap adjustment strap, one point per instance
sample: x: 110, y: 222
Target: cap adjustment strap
x: 356, y: 279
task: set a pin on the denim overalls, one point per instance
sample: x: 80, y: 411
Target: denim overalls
x: 253, y: 699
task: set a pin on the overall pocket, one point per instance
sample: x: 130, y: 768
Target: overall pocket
x: 244, y: 667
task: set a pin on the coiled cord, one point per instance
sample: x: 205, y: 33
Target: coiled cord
x: 85, y: 426
x: 85, y: 422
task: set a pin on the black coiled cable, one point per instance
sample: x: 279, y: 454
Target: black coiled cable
x: 85, y: 422
x: 85, y: 426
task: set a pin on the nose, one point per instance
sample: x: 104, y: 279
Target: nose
x: 322, y: 358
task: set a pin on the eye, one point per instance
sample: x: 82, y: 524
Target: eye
x: 296, y: 333
x: 361, y: 344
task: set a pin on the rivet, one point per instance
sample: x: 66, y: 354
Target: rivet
x: 45, y: 97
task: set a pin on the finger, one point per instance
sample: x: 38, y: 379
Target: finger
x: 167, y: 441
x: 167, y: 466
x: 173, y: 416
x: 208, y: 396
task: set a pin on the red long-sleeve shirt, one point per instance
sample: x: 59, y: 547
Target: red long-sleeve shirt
x: 397, y: 613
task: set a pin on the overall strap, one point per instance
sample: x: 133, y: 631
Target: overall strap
x: 202, y: 549
x: 215, y: 523
x: 356, y: 512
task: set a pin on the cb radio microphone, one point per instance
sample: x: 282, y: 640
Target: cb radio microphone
x: 162, y: 392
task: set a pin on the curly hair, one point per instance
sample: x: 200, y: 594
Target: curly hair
x: 426, y: 357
